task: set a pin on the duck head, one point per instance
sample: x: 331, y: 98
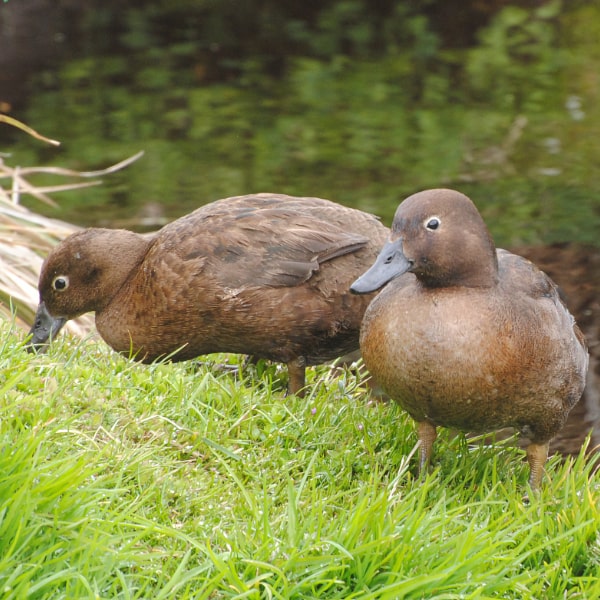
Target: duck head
x: 81, y: 276
x: 424, y: 231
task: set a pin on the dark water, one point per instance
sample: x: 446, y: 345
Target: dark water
x: 499, y: 102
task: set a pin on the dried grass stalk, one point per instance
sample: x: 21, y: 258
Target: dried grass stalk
x: 26, y: 237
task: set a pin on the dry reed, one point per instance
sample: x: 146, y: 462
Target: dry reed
x: 26, y: 237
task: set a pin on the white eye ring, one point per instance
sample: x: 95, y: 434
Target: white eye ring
x: 432, y: 223
x: 60, y: 283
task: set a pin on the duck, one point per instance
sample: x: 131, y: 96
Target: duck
x: 467, y: 336
x: 265, y: 275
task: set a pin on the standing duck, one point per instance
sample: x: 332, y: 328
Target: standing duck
x: 266, y: 275
x: 467, y: 336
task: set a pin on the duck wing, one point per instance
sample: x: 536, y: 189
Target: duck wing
x: 263, y: 240
x: 524, y: 277
x: 278, y: 248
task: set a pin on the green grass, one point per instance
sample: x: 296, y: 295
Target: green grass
x: 119, y: 480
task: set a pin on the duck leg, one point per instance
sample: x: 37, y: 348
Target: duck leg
x: 296, y: 376
x: 427, y: 434
x: 537, y: 454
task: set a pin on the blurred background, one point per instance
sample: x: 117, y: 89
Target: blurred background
x: 358, y: 101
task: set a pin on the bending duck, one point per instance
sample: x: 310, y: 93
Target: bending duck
x: 266, y: 275
x: 467, y: 336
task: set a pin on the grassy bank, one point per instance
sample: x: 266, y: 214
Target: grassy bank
x: 189, y: 481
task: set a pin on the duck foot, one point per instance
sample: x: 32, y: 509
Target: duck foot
x: 537, y: 455
x: 296, y: 376
x: 427, y: 434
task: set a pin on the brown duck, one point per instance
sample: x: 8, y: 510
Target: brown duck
x: 266, y: 275
x: 467, y: 336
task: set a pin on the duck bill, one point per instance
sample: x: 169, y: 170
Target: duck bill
x: 390, y: 263
x: 45, y: 328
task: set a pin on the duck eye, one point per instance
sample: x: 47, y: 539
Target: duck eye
x: 433, y: 223
x: 60, y: 283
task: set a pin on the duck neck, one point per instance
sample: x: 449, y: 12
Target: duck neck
x: 126, y: 251
x: 475, y: 267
